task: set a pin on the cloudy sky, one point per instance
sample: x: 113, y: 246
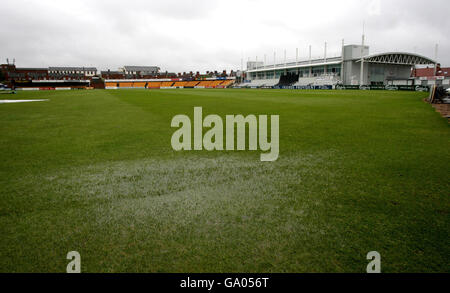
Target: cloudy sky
x: 185, y: 35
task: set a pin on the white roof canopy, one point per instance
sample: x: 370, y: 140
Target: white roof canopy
x: 398, y: 58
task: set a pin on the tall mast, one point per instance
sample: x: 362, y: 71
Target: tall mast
x: 361, y: 78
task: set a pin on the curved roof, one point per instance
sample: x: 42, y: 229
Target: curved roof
x: 400, y: 58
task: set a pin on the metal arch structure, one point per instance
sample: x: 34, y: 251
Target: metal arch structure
x: 398, y: 58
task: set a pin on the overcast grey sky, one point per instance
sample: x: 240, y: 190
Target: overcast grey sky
x: 184, y: 35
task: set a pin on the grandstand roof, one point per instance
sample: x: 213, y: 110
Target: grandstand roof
x: 399, y: 58
x: 299, y: 64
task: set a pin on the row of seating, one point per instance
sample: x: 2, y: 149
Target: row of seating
x: 261, y: 83
x: 227, y: 82
x: 288, y: 79
x: 192, y: 83
x: 159, y: 84
x: 317, y: 81
x: 292, y: 80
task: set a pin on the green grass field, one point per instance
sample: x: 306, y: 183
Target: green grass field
x: 94, y: 171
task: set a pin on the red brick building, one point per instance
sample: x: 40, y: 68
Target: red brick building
x: 429, y: 72
x: 11, y: 72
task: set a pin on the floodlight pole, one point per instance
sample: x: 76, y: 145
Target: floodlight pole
x: 242, y: 69
x: 342, y: 62
x: 274, y: 64
x: 310, y: 62
x: 256, y: 67
x: 435, y: 58
x: 248, y: 61
x: 361, y: 78
x: 325, y: 59
x: 264, y: 66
